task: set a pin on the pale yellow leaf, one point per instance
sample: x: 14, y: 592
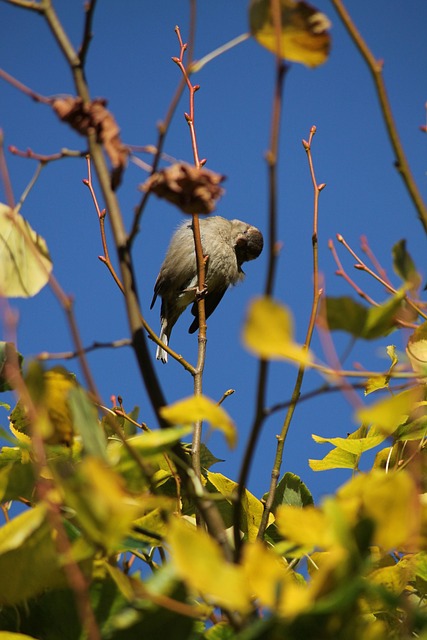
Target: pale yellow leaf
x: 390, y: 413
x: 390, y: 500
x: 307, y: 527
x: 25, y: 264
x: 268, y: 332
x: 198, y: 561
x: 197, y: 408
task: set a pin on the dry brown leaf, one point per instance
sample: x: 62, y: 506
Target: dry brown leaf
x: 191, y: 189
x: 83, y: 116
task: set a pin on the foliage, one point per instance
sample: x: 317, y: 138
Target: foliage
x: 124, y: 531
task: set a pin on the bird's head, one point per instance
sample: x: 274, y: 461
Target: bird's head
x: 248, y: 241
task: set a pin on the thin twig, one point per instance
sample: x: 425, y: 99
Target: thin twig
x: 87, y: 31
x: 275, y: 474
x: 200, y: 261
x: 32, y: 155
x: 376, y: 67
x: 273, y: 247
x: 362, y: 266
x: 4, y: 174
x: 71, y: 355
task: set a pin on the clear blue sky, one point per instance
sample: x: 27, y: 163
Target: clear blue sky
x: 129, y: 63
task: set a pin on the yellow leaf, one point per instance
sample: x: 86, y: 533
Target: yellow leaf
x: 268, y: 332
x: 390, y: 500
x: 198, y: 561
x: 105, y: 510
x: 252, y: 508
x: 25, y: 263
x: 390, y: 413
x: 303, y: 35
x: 267, y: 584
x: 197, y: 408
x: 307, y: 527
x: 416, y: 351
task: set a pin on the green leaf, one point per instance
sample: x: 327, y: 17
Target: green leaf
x: 29, y: 560
x: 291, y: 490
x: 370, y: 323
x: 25, y: 263
x: 16, y: 475
x: 404, y: 266
x: 8, y: 354
x: 85, y: 422
x: 152, y: 443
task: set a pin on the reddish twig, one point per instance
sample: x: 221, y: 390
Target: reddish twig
x: 362, y: 266
x: 4, y: 174
x: 32, y: 155
x: 200, y: 258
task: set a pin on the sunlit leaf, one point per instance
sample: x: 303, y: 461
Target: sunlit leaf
x: 390, y: 413
x: 335, y: 459
x: 25, y: 263
x: 416, y: 351
x: 274, y: 577
x: 345, y: 314
x: 95, y: 492
x: 268, y: 332
x: 49, y: 391
x: 306, y: 527
x: 9, y: 635
x: 304, y: 30
x: 353, y: 445
x: 252, y: 508
x: 390, y: 500
x: 196, y: 408
x: 199, y: 561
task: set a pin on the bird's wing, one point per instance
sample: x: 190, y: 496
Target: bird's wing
x: 212, y: 300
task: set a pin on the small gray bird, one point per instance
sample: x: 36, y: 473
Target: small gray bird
x: 227, y: 245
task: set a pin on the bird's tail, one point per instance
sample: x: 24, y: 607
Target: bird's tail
x: 164, y: 337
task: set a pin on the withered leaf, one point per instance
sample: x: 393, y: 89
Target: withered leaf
x: 83, y: 116
x: 191, y: 189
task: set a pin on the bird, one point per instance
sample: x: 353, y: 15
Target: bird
x: 226, y: 245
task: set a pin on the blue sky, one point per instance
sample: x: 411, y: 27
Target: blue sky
x: 129, y: 63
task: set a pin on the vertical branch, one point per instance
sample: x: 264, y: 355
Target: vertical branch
x: 376, y: 67
x: 272, y: 160
x: 275, y: 474
x: 200, y: 259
